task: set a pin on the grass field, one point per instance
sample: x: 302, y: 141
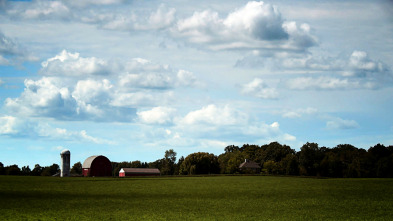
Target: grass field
x: 195, y: 198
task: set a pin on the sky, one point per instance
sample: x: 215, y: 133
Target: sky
x: 131, y: 79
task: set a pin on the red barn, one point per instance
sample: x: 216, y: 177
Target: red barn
x: 97, y: 166
x: 139, y: 172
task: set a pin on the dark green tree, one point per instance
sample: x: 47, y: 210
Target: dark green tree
x: 51, y: 170
x: 2, y: 170
x: 310, y: 157
x: 37, y: 170
x: 26, y: 171
x: 230, y: 161
x: 12, y: 170
x: 200, y: 163
x: 289, y: 165
x: 169, y: 161
x: 76, y: 168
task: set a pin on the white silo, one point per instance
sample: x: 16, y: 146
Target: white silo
x: 65, y: 163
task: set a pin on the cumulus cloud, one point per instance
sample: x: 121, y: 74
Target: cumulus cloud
x: 41, y: 10
x: 157, y: 115
x: 338, y: 124
x: 227, y: 123
x: 94, y: 89
x: 257, y: 25
x: 356, y: 71
x: 258, y: 88
x: 71, y: 64
x: 15, y: 127
x: 362, y: 66
x: 213, y: 115
x: 52, y: 97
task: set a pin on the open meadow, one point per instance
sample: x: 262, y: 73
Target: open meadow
x: 195, y: 198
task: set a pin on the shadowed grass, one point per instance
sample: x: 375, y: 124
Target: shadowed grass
x: 196, y: 198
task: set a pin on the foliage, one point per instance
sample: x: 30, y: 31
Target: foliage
x: 77, y: 168
x: 51, y: 170
x: 200, y: 163
x: 169, y: 163
x: 2, y: 169
x: 195, y: 198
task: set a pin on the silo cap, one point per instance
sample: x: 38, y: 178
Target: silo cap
x: 65, y: 152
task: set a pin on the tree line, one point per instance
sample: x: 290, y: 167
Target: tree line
x: 344, y: 160
x: 37, y: 170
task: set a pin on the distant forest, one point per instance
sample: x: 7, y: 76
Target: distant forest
x: 344, y: 160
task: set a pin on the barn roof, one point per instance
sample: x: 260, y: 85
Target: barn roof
x: 89, y: 161
x: 249, y: 164
x: 140, y: 170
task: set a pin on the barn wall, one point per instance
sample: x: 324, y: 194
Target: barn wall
x: 86, y: 172
x: 101, y: 166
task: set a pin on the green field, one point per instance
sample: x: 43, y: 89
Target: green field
x: 195, y: 198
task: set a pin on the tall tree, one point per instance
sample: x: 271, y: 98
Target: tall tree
x: 310, y: 156
x: 77, y: 168
x: 168, y: 167
x: 26, y: 171
x: 2, y: 170
x: 200, y: 163
x: 37, y: 170
x: 12, y: 170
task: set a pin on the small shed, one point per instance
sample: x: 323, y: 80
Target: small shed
x: 249, y: 166
x: 97, y: 166
x: 139, y: 172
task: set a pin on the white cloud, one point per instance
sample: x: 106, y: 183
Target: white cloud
x: 41, y: 10
x: 11, y: 52
x: 256, y: 25
x: 55, y: 98
x: 339, y: 123
x: 324, y: 83
x: 79, y: 4
x: 362, y: 66
x: 93, y: 92
x: 299, y: 112
x: 7, y: 125
x: 157, y: 115
x: 213, y: 115
x: 258, y: 88
x: 143, y: 98
x: 145, y: 74
x: 45, y: 97
x: 71, y: 64
x: 17, y: 127
x: 159, y: 19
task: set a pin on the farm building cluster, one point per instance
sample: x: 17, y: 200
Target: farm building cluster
x: 101, y: 166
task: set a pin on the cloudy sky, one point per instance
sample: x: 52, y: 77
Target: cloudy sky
x: 131, y: 79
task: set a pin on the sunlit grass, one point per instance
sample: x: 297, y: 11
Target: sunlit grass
x: 215, y: 198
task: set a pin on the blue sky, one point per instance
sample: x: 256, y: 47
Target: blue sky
x: 131, y: 79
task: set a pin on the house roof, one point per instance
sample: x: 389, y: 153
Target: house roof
x: 249, y: 164
x: 140, y: 170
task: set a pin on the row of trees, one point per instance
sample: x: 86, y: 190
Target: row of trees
x: 344, y: 160
x: 37, y: 170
